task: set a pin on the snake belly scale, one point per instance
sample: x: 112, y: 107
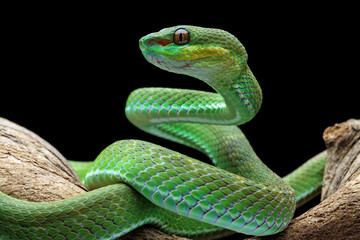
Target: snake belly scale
x: 134, y: 183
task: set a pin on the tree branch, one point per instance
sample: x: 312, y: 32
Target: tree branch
x: 31, y: 169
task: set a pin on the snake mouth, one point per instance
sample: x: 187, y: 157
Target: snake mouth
x: 154, y: 57
x: 149, y: 49
x: 142, y: 45
x: 153, y: 53
x: 185, y: 59
x: 186, y: 53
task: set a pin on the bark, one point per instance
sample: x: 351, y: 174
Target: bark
x: 338, y: 215
x: 149, y: 234
x: 31, y: 169
x: 343, y: 144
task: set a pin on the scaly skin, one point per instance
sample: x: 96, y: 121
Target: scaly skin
x: 149, y: 184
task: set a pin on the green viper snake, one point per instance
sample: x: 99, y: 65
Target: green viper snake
x: 134, y: 183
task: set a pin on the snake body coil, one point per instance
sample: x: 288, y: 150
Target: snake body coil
x: 139, y: 183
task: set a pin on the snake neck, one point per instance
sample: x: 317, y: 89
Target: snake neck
x: 241, y: 93
x: 238, y: 100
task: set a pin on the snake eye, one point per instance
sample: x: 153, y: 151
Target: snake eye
x: 181, y: 37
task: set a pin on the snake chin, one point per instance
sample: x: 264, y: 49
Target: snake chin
x: 165, y: 63
x: 155, y: 59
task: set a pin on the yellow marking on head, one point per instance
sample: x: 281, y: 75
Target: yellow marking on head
x: 189, y: 53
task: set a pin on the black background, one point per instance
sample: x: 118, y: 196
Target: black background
x: 66, y: 76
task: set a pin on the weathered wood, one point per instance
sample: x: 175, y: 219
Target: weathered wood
x: 149, y: 234
x: 343, y: 144
x: 31, y: 169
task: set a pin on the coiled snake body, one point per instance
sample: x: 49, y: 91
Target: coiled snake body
x: 137, y: 183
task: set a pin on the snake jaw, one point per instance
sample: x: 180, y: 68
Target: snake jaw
x: 162, y: 53
x: 209, y: 51
x: 193, y: 60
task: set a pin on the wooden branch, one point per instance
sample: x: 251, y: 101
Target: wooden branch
x: 149, y: 234
x: 343, y: 144
x: 338, y: 215
x: 33, y: 170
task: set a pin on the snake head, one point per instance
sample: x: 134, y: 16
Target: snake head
x: 199, y: 52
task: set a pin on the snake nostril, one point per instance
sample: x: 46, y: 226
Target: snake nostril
x: 149, y: 43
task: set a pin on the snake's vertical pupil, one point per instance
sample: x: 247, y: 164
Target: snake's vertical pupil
x: 181, y: 37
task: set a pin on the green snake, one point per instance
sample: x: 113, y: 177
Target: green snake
x: 134, y: 183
